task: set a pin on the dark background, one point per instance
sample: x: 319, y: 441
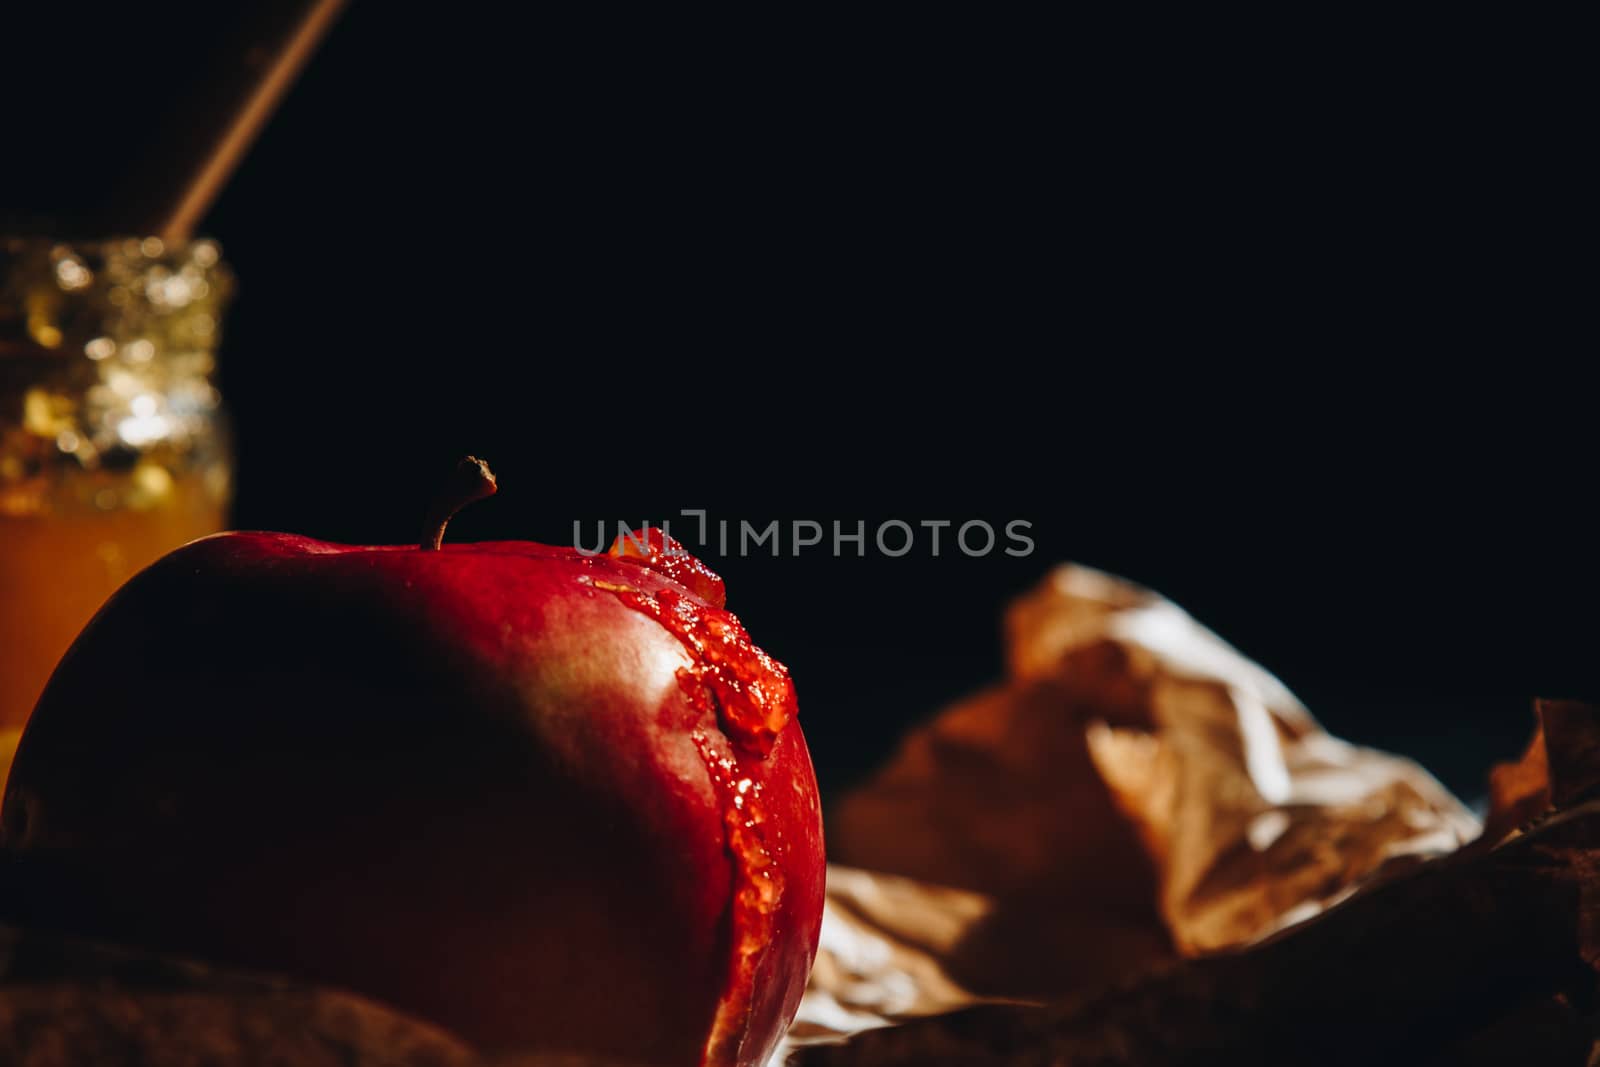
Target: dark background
x: 1281, y: 339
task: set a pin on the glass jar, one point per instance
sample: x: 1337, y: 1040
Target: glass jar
x: 113, y: 450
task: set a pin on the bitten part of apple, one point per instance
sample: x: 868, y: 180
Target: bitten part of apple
x: 546, y: 800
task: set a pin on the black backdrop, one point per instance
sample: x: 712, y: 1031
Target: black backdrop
x: 1284, y: 344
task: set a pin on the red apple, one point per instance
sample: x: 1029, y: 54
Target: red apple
x: 549, y: 801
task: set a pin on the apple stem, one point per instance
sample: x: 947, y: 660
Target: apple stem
x: 472, y: 480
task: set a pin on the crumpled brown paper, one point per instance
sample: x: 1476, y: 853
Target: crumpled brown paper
x: 1560, y: 768
x: 1490, y: 955
x: 1134, y: 793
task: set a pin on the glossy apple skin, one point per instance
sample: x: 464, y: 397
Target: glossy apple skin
x: 465, y: 781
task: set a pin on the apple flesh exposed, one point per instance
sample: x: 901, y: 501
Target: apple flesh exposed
x: 549, y: 801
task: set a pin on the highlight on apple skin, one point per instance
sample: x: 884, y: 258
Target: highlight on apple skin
x: 548, y: 801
